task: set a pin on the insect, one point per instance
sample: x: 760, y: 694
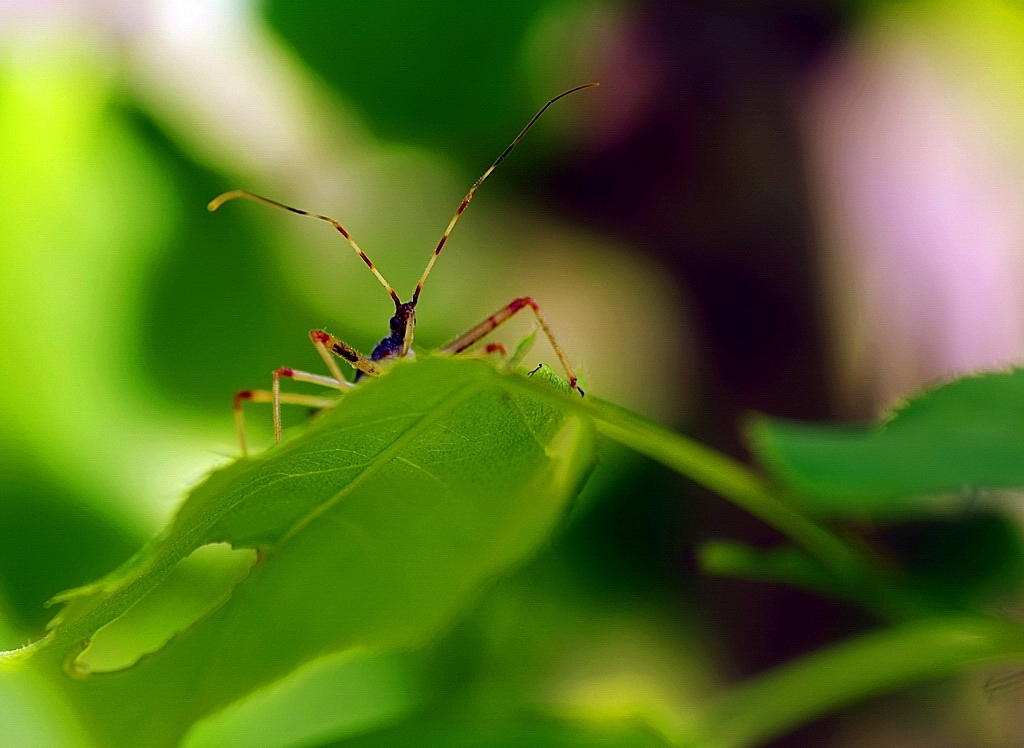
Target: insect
x: 398, y: 343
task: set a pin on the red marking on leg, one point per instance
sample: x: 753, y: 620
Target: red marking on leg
x: 496, y: 348
x: 462, y: 207
x: 342, y: 231
x: 474, y: 334
x: 319, y: 336
x: 366, y: 260
x: 242, y: 396
x: 518, y: 304
x: 285, y: 372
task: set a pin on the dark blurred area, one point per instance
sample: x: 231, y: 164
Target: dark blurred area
x: 711, y: 182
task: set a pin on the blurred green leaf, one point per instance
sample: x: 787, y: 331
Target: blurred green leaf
x: 374, y: 528
x: 785, y: 565
x: 32, y: 715
x: 735, y: 482
x: 348, y: 693
x: 888, y: 595
x: 963, y: 437
x: 866, y: 665
x: 550, y: 639
x: 506, y: 733
x: 195, y: 586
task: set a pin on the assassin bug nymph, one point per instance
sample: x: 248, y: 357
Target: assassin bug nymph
x: 398, y: 343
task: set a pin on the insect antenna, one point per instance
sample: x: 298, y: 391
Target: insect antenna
x: 469, y: 195
x: 221, y: 199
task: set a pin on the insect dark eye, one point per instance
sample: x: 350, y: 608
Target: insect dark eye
x: 397, y: 324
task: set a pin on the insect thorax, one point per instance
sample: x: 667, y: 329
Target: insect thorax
x: 399, y: 342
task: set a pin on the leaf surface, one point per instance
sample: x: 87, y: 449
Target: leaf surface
x: 373, y: 528
x: 962, y: 437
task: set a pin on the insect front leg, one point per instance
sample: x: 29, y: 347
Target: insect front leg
x: 474, y: 334
x: 326, y: 344
x: 275, y: 396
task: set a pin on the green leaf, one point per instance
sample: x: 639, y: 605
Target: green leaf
x: 961, y: 438
x: 866, y: 665
x: 887, y: 596
x: 33, y: 716
x: 784, y: 565
x: 373, y: 528
x: 345, y: 694
x: 734, y: 481
x: 531, y: 732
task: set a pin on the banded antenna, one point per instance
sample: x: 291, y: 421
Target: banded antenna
x: 221, y: 199
x: 469, y: 195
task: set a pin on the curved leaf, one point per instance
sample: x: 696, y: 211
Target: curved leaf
x: 373, y: 528
x: 844, y: 673
x: 965, y: 436
x: 525, y: 732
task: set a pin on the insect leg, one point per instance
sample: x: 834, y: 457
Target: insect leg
x: 490, y: 348
x: 474, y: 334
x: 326, y: 344
x: 299, y: 376
x: 498, y: 348
x: 277, y: 397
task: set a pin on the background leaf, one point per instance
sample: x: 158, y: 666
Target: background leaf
x: 963, y: 437
x: 344, y: 694
x: 869, y: 664
x: 525, y: 733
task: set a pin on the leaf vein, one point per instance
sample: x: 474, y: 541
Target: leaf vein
x: 383, y: 457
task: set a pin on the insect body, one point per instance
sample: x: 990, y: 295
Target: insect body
x: 398, y: 343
